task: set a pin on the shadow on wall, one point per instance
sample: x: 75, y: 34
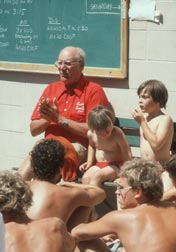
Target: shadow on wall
x: 41, y: 78
x: 33, y: 78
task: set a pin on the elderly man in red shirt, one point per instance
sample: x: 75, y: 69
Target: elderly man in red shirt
x: 63, y: 107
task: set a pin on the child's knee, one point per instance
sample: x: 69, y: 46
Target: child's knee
x: 97, y: 179
x: 86, y: 179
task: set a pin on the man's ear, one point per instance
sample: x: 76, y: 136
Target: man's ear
x: 138, y: 194
x: 82, y: 64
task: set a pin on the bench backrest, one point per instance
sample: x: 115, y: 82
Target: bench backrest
x: 131, y: 129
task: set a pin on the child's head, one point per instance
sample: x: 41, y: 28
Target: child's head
x: 156, y: 89
x: 100, y: 118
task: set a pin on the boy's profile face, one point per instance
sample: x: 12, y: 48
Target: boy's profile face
x: 146, y: 102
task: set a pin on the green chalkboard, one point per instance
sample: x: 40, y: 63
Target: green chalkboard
x: 32, y: 32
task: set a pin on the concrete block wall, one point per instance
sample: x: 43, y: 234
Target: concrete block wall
x: 16, y: 101
x: 152, y: 51
x: 152, y: 54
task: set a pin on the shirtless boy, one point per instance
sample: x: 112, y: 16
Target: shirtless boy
x: 108, y: 146
x: 23, y: 234
x: 69, y: 201
x: 145, y: 227
x: 156, y: 128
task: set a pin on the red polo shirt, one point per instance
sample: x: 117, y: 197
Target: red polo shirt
x: 73, y: 103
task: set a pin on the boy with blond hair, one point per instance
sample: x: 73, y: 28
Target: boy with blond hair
x: 108, y: 148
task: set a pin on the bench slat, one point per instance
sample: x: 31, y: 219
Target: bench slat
x: 128, y: 123
x: 131, y: 129
x: 133, y: 141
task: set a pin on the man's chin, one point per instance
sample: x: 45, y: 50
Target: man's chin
x: 65, y: 80
x: 121, y: 206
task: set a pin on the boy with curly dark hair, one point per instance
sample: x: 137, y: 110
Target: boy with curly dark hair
x: 69, y: 201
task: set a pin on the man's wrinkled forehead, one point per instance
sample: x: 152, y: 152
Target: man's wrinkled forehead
x: 67, y: 54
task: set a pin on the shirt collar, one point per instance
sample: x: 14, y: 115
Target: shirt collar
x: 79, y: 86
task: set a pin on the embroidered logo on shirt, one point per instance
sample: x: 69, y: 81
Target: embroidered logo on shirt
x: 80, y: 107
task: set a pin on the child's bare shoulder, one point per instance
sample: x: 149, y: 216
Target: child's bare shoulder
x: 161, y: 118
x: 166, y: 118
x: 118, y: 131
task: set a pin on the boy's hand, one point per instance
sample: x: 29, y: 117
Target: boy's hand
x: 138, y: 115
x: 84, y: 167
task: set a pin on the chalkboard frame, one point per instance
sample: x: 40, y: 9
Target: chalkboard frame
x: 119, y: 73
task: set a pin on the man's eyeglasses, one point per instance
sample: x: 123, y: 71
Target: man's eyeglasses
x: 120, y: 189
x: 67, y: 64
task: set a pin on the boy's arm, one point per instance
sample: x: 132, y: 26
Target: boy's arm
x: 90, y: 159
x: 87, y: 195
x: 91, y: 149
x: 90, y: 154
x: 96, y: 229
x: 160, y: 137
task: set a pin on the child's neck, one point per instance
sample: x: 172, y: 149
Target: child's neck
x: 154, y: 114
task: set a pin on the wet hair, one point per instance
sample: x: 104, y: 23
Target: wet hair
x: 144, y: 174
x: 170, y: 167
x: 100, y: 118
x: 156, y: 89
x: 47, y: 159
x: 15, y: 193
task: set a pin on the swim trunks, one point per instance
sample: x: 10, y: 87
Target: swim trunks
x: 102, y: 165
